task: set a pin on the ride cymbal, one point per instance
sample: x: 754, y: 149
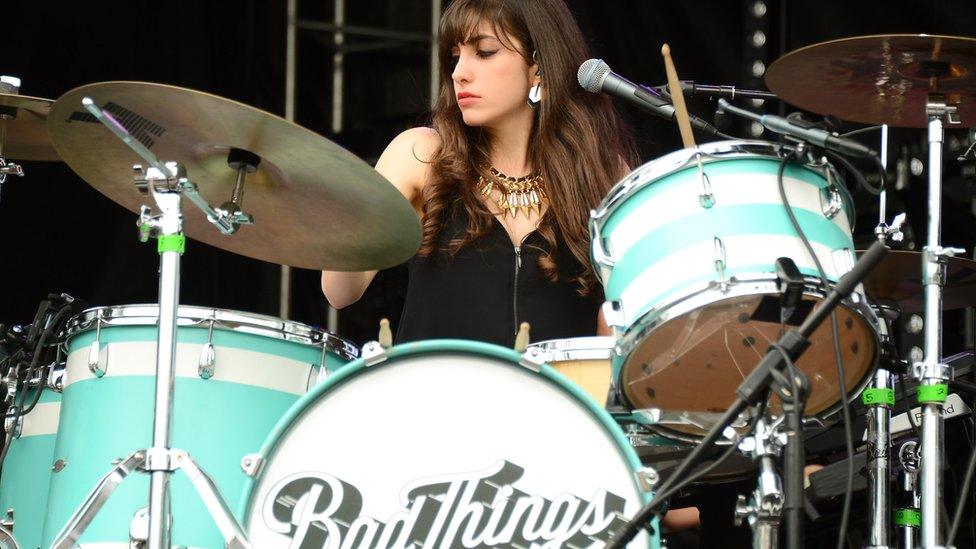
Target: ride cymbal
x: 881, y: 79
x: 314, y: 204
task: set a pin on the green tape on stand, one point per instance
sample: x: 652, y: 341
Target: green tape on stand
x: 172, y: 243
x: 937, y: 392
x: 908, y: 517
x: 877, y: 397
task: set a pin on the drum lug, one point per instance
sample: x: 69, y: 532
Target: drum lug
x: 647, y: 478
x: 832, y: 203
x: 207, y: 355
x: 373, y: 353
x: 613, y: 313
x: 95, y: 353
x: 720, y: 262
x: 707, y: 198
x: 601, y: 256
x: 532, y: 359
x: 251, y: 464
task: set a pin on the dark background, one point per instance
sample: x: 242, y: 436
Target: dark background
x: 61, y: 235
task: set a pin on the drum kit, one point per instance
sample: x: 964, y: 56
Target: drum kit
x: 292, y: 436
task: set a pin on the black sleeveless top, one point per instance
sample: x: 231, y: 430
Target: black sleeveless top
x: 490, y: 287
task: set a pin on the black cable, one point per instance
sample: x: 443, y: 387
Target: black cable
x: 835, y: 332
x: 860, y: 131
x: 667, y: 490
x: 858, y: 176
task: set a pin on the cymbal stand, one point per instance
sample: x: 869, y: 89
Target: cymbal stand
x: 907, y: 517
x: 764, y: 508
x: 11, y: 85
x: 933, y: 375
x: 166, y: 183
x: 880, y: 397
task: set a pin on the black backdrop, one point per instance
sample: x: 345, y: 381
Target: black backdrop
x: 62, y: 235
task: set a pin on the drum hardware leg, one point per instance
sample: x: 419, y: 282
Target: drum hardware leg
x: 931, y: 373
x: 755, y: 386
x: 907, y: 518
x: 153, y: 461
x: 879, y: 398
x: 166, y: 184
x: 764, y: 509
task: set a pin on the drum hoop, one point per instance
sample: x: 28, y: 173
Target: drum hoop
x: 190, y: 316
x: 434, y: 347
x: 653, y: 170
x: 691, y: 300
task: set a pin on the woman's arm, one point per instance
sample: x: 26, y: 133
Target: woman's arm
x: 405, y: 164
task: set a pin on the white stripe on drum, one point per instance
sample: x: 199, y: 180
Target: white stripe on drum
x: 42, y: 420
x: 138, y: 358
x: 681, y: 201
x: 699, y: 261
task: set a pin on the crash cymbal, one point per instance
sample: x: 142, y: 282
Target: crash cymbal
x: 899, y: 278
x: 315, y: 205
x: 882, y: 79
x: 25, y: 135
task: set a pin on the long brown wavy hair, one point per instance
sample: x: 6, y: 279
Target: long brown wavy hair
x: 578, y: 143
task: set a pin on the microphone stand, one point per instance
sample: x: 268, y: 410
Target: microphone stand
x: 770, y: 371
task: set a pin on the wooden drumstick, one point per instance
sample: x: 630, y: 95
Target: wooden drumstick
x: 678, y: 98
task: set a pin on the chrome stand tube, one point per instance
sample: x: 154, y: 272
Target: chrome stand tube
x: 932, y: 373
x: 765, y: 507
x: 170, y: 230
x: 879, y: 398
x: 907, y: 518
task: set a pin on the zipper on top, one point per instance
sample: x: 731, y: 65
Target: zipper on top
x: 518, y: 266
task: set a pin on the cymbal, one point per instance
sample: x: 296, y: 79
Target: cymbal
x: 25, y: 135
x: 899, y: 278
x: 315, y: 205
x: 881, y: 79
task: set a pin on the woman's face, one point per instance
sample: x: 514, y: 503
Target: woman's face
x: 491, y: 82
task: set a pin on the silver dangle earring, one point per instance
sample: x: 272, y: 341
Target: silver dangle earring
x: 535, y: 95
x: 535, y: 92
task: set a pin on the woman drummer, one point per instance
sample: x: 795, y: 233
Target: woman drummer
x: 503, y: 181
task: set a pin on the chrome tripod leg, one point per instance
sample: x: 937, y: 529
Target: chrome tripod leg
x: 73, y: 530
x: 879, y: 398
x: 231, y: 531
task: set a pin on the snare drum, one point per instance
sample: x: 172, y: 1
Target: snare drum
x: 686, y: 247
x: 583, y: 360
x: 236, y: 374
x: 443, y: 443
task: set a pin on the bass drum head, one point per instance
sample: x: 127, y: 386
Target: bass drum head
x: 444, y: 443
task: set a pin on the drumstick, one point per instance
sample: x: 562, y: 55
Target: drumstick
x: 678, y: 98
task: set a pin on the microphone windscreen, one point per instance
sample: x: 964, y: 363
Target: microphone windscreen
x: 591, y: 74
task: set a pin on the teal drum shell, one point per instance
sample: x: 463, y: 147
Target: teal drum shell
x: 441, y: 406
x: 687, y: 247
x: 26, y: 475
x: 260, y: 366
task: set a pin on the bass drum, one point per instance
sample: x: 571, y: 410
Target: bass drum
x: 443, y: 443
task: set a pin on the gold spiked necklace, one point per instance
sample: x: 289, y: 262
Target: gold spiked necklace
x: 518, y: 194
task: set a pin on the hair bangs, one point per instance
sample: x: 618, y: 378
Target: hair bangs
x: 460, y: 22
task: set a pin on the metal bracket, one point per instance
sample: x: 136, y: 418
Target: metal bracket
x: 647, y: 478
x: 532, y: 360
x: 921, y: 371
x: 251, y: 464
x: 208, y: 356
x: 707, y: 198
x: 935, y: 259
x: 834, y: 203
x: 936, y: 105
x: 373, y: 353
x: 95, y: 352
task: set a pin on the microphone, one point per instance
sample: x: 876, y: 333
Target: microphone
x: 815, y: 136
x: 595, y: 76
